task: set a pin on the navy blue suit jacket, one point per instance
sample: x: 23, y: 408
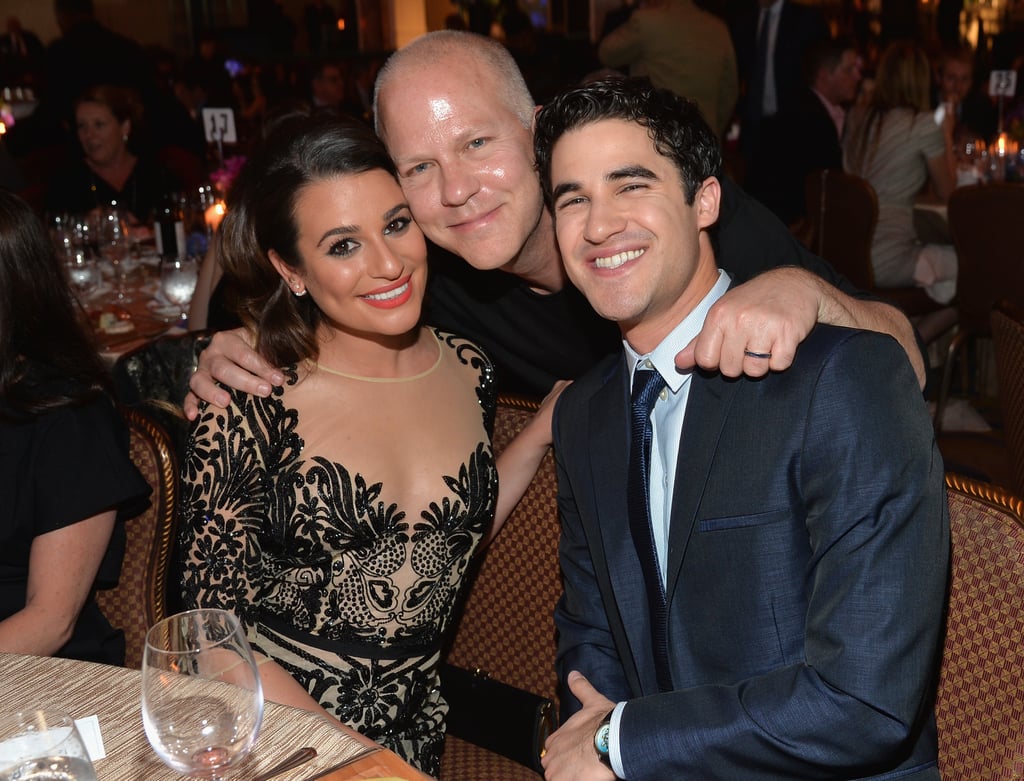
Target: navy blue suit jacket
x: 807, y: 566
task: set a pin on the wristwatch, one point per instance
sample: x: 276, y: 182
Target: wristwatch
x: 601, y: 739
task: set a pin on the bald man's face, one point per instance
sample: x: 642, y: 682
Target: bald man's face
x: 464, y: 158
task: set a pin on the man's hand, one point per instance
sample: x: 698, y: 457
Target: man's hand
x: 774, y: 312
x: 569, y: 753
x: 229, y: 359
x: 769, y: 315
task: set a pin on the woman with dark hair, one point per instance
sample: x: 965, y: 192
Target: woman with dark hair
x: 65, y: 475
x: 895, y: 144
x: 110, y: 169
x: 338, y: 517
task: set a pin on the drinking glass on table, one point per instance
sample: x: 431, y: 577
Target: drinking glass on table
x: 178, y: 278
x: 42, y: 745
x: 202, y: 699
x: 116, y: 247
x: 83, y: 272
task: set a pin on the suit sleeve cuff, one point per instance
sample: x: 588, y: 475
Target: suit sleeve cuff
x: 614, y: 753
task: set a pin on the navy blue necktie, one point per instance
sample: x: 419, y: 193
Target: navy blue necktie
x: 647, y: 384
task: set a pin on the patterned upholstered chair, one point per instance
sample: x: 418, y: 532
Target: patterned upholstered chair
x: 980, y: 704
x: 507, y: 627
x: 1008, y: 338
x: 140, y: 598
x: 154, y: 378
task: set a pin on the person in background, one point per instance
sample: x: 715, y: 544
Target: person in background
x: 109, y: 169
x: 338, y: 517
x: 67, y: 483
x: 975, y: 115
x: 21, y: 56
x: 771, y: 38
x: 680, y: 47
x: 86, y: 54
x: 895, y: 143
x: 812, y: 127
x: 329, y: 88
x: 754, y: 569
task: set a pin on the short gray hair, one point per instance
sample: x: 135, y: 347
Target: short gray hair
x: 442, y: 44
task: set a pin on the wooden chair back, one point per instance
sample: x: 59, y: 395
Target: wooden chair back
x: 507, y: 626
x: 140, y: 598
x: 984, y: 223
x: 843, y: 211
x: 1008, y: 339
x: 980, y: 704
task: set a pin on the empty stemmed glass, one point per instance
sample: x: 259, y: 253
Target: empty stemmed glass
x: 202, y: 699
x: 178, y: 278
x: 116, y: 247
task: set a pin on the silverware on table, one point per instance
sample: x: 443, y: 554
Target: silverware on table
x: 344, y: 763
x: 289, y: 762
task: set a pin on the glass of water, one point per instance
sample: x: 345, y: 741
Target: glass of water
x: 178, y: 278
x: 42, y: 745
x: 83, y: 272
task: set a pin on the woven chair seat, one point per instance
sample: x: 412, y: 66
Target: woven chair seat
x: 980, y: 703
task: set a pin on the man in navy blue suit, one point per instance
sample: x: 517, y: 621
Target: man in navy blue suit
x: 777, y: 612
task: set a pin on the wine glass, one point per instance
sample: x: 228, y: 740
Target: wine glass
x: 202, y: 699
x: 83, y: 273
x: 178, y: 278
x: 116, y: 247
x: 43, y: 745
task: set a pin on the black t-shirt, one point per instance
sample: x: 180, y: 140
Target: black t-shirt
x: 536, y: 339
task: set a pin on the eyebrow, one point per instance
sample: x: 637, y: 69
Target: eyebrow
x: 626, y: 172
x: 345, y: 230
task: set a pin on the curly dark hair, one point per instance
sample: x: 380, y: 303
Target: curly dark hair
x: 300, y: 150
x: 675, y: 125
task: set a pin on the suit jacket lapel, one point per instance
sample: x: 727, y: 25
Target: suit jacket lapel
x: 630, y: 623
x: 710, y: 397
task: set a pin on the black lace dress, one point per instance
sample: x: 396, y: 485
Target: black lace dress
x: 350, y: 592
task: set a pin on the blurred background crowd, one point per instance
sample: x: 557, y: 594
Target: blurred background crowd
x: 160, y: 64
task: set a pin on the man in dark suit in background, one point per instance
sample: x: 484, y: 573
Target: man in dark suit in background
x: 812, y: 128
x: 770, y: 38
x: 757, y: 591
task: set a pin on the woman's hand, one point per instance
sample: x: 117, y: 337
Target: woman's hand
x: 229, y: 360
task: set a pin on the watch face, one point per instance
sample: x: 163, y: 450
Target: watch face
x: 601, y: 738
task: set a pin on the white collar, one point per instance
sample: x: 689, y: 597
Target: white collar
x: 663, y: 357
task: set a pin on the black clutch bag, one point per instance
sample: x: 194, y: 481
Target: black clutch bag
x: 497, y: 716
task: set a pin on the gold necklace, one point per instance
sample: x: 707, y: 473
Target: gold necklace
x: 362, y: 378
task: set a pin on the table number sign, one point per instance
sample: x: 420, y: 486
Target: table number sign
x: 1002, y: 83
x: 219, y: 124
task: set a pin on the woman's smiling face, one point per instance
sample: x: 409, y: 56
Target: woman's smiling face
x: 364, y: 260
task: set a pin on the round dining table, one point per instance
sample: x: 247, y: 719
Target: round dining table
x: 112, y: 695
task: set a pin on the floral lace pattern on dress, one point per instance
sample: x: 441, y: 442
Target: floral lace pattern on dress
x: 351, y: 594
